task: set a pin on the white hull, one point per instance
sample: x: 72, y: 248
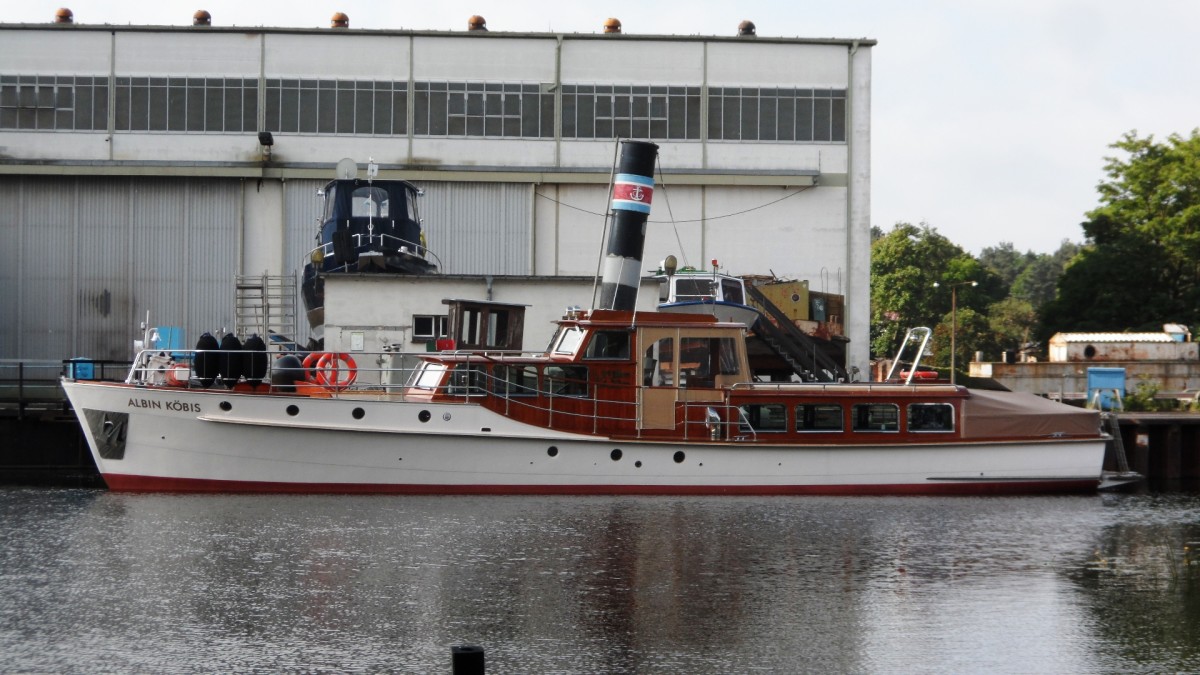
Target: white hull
x: 727, y: 312
x: 178, y: 439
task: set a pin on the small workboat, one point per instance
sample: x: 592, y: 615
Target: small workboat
x: 367, y: 225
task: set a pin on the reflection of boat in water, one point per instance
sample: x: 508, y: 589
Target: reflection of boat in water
x: 366, y: 226
x: 621, y: 401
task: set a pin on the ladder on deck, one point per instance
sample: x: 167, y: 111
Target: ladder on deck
x: 264, y: 304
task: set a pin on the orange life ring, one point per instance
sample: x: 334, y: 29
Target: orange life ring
x: 310, y: 365
x: 178, y: 374
x: 336, y: 371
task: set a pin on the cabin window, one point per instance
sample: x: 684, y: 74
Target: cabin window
x: 565, y: 381
x: 731, y: 291
x: 515, y: 380
x: 429, y: 327
x: 429, y: 376
x: 467, y: 380
x: 819, y: 417
x: 608, y: 344
x: 567, y: 341
x: 693, y: 289
x: 657, y: 364
x: 763, y: 417
x: 369, y: 202
x: 876, y: 417
x: 930, y: 417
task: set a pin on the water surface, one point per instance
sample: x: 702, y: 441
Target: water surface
x: 97, y: 581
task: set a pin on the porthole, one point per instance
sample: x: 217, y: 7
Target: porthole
x: 293, y: 410
x: 226, y: 406
x: 638, y: 464
x: 552, y: 451
x: 679, y: 457
x: 615, y: 454
x: 1089, y: 352
x: 358, y: 413
x: 424, y: 416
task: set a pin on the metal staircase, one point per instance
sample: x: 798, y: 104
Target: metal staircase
x: 802, y: 352
x: 264, y: 304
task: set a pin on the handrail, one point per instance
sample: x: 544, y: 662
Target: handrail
x: 417, y: 249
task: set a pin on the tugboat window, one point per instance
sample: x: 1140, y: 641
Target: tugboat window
x: 819, y: 417
x: 467, y: 380
x: 657, y: 364
x: 515, y: 380
x: 566, y: 380
x: 608, y: 344
x: 370, y: 202
x: 930, y: 417
x: 876, y: 417
x: 764, y: 417
x: 568, y: 340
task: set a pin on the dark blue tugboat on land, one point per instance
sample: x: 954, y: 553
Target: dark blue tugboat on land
x: 366, y: 226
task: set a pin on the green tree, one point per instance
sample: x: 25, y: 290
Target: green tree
x: 1140, y: 265
x: 905, y: 264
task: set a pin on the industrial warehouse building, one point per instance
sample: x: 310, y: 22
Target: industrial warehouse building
x: 148, y: 168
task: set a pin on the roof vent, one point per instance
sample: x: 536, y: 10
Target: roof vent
x: 202, y: 18
x: 612, y: 25
x: 339, y: 20
x: 746, y: 29
x: 476, y: 22
x: 64, y: 15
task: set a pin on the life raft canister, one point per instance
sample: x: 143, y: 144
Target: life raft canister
x: 336, y: 371
x: 178, y: 374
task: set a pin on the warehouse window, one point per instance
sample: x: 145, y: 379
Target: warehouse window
x: 198, y: 104
x: 359, y: 107
x: 53, y: 103
x: 492, y: 109
x: 769, y: 114
x: 624, y: 111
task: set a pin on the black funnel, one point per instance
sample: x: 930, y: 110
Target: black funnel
x: 633, y: 188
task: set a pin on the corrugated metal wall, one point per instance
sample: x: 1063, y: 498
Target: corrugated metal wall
x: 87, y: 257
x: 474, y: 228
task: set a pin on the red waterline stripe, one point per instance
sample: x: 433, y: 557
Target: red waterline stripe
x: 128, y: 483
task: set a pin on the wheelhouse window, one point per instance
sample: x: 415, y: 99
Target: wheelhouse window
x: 429, y: 376
x: 608, y: 344
x: 819, y: 417
x: 876, y: 416
x: 517, y: 380
x: 565, y: 381
x: 467, y: 380
x: 567, y: 340
x: 924, y: 417
x: 763, y: 417
x: 657, y: 363
x: 370, y: 202
x: 693, y: 289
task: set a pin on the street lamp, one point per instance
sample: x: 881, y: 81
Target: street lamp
x: 954, y: 319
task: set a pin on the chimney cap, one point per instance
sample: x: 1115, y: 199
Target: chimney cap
x: 64, y: 15
x: 476, y: 22
x: 202, y: 18
x: 612, y: 25
x: 339, y: 20
x: 746, y: 29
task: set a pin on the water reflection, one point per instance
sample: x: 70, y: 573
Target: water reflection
x: 101, y: 581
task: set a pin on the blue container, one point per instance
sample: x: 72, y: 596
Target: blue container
x: 82, y: 369
x: 1107, y: 382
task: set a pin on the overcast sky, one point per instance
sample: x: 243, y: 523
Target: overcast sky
x: 991, y: 118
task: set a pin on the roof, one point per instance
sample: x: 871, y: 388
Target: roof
x: 1111, y: 337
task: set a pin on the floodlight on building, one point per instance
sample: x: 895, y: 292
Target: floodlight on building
x: 266, y: 140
